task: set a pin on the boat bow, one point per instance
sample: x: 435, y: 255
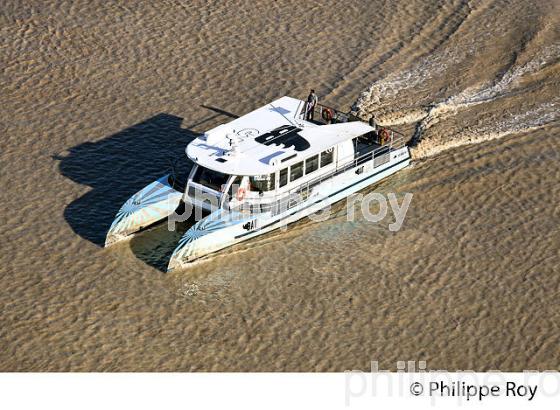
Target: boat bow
x: 148, y: 206
x: 208, y: 235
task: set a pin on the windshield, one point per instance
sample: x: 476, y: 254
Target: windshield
x: 211, y: 179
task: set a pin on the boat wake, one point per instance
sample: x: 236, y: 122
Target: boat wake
x: 531, y: 120
x: 428, y: 140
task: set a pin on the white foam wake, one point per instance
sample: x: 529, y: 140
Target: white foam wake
x: 479, y: 95
x: 531, y: 120
x: 426, y: 117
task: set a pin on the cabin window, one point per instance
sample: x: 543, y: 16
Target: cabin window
x: 283, y: 177
x: 210, y: 179
x: 327, y: 157
x: 296, y: 171
x: 311, y: 164
x: 263, y: 183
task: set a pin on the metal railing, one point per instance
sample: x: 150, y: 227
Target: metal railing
x: 337, y: 115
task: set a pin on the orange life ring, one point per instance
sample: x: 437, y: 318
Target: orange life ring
x: 383, y: 136
x: 240, y: 194
x: 327, y: 114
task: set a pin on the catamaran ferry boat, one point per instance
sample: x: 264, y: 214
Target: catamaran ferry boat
x: 262, y: 171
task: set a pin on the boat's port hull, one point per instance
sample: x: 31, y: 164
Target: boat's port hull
x: 150, y: 205
x: 222, y: 229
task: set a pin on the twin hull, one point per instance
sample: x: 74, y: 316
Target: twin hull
x: 223, y: 228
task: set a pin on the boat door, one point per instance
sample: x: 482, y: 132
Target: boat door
x: 344, y: 153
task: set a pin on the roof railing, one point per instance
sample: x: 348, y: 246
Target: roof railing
x: 337, y: 116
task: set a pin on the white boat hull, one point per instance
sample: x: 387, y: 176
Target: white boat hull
x: 152, y: 204
x: 223, y: 228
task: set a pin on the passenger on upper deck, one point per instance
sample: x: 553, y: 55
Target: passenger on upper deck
x: 373, y: 136
x: 312, y: 101
x: 373, y: 123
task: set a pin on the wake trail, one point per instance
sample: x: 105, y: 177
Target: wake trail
x: 528, y: 121
x: 426, y: 117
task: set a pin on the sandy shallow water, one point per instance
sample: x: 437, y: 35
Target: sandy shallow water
x: 99, y: 99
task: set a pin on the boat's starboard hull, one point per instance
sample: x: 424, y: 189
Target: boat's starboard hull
x: 222, y: 229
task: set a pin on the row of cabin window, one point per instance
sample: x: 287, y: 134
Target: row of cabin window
x: 311, y: 165
x: 263, y: 183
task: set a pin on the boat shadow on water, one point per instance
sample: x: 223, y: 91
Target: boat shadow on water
x: 117, y: 167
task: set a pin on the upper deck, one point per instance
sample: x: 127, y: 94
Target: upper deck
x: 267, y: 139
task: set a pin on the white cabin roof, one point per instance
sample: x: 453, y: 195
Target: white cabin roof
x: 268, y: 139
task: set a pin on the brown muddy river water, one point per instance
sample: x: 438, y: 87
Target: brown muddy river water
x: 100, y: 98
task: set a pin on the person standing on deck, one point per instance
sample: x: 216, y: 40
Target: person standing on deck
x: 312, y: 101
x: 373, y: 123
x: 374, y: 135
